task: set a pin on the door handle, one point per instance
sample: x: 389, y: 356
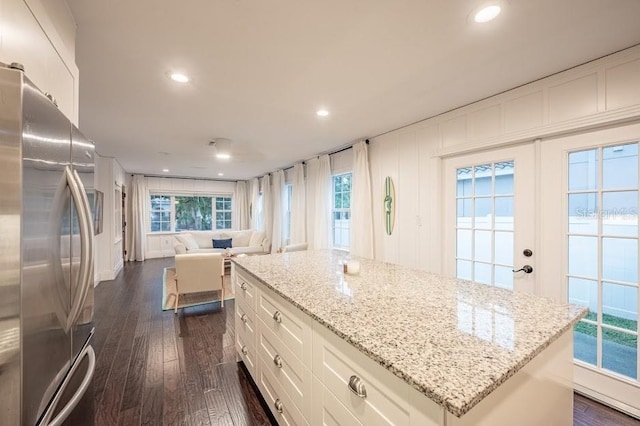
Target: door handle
x: 82, y: 222
x: 86, y: 243
x: 82, y: 389
x: 527, y: 269
x: 89, y: 239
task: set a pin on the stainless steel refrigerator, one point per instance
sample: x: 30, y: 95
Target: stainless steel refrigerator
x: 46, y: 259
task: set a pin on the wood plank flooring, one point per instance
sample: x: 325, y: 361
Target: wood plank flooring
x: 157, y: 368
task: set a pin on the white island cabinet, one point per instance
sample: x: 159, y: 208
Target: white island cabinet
x: 393, y: 345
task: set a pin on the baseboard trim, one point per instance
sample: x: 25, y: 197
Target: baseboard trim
x: 617, y: 405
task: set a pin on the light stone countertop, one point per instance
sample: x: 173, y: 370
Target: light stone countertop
x: 453, y: 340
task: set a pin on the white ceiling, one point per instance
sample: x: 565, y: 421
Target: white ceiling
x: 261, y: 69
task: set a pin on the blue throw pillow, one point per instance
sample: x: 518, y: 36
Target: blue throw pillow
x: 222, y: 244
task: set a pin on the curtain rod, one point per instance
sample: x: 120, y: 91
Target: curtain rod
x: 328, y: 153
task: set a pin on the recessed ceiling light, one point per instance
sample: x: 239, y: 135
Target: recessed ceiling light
x: 220, y: 174
x: 180, y: 78
x: 487, y: 13
x: 165, y: 170
x: 322, y: 113
x: 223, y: 156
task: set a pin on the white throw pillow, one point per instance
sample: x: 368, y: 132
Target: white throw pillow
x: 256, y: 238
x: 241, y: 238
x: 188, y: 241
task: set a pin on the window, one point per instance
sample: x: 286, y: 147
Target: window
x: 175, y: 213
x: 341, y: 210
x: 160, y: 213
x: 287, y: 213
x: 193, y: 213
x: 223, y: 212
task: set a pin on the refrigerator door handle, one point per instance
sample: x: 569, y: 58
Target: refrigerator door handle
x: 87, y: 232
x: 77, y: 396
x: 86, y: 248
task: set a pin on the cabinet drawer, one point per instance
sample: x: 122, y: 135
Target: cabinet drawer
x: 293, y: 376
x: 288, y: 323
x: 335, y: 362
x: 327, y: 410
x: 245, y: 322
x: 247, y: 353
x: 244, y: 289
x: 284, y: 411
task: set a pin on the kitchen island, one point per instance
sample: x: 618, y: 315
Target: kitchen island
x: 394, y: 345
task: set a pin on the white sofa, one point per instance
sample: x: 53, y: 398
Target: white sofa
x: 248, y: 241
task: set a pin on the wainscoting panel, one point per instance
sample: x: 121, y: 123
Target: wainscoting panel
x: 407, y: 199
x: 486, y: 123
x: 524, y: 112
x: 623, y: 85
x: 575, y: 98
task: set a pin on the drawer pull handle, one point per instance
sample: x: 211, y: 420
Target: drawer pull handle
x: 243, y: 286
x: 278, y: 405
x: 277, y: 360
x: 244, y: 350
x: 277, y: 316
x: 356, y: 385
x: 243, y: 318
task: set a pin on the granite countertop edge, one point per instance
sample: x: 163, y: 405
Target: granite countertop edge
x: 456, y: 410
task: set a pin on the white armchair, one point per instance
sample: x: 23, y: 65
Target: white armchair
x: 199, y: 272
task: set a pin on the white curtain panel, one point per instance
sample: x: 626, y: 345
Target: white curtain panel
x: 241, y: 206
x: 322, y: 206
x: 277, y: 237
x: 312, y: 173
x: 298, y: 233
x: 254, y: 193
x: 267, y: 206
x: 137, y: 236
x: 361, y: 240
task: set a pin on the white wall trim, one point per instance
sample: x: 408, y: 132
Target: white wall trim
x: 582, y: 124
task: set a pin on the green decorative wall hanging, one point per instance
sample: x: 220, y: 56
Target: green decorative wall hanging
x: 389, y: 205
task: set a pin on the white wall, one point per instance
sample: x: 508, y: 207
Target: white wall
x: 602, y: 93
x: 40, y: 34
x: 109, y: 259
x: 160, y: 244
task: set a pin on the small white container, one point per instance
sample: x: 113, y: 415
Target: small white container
x: 353, y: 267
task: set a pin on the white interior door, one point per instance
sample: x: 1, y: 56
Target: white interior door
x: 589, y: 254
x: 489, y: 217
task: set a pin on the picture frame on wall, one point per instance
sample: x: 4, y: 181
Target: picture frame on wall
x: 98, y: 213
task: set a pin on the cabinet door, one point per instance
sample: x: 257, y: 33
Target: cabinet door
x: 244, y: 289
x: 294, y: 377
x: 247, y: 353
x: 384, y: 398
x: 327, y: 410
x: 24, y: 41
x: 284, y: 411
x: 287, y: 322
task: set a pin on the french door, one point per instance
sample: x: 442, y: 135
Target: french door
x: 490, y: 217
x: 589, y: 254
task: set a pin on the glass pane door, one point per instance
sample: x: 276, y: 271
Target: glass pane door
x: 489, y: 217
x: 485, y: 225
x: 602, y: 244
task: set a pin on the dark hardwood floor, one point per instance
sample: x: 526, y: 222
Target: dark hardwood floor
x: 155, y: 368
